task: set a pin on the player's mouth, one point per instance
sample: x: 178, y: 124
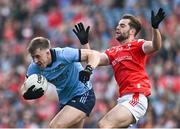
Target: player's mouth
x: 40, y: 64
x: 117, y: 34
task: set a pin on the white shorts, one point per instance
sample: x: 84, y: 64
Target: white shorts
x: 136, y: 103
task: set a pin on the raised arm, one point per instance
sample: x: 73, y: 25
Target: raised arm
x: 82, y: 35
x: 92, y: 57
x: 154, y: 45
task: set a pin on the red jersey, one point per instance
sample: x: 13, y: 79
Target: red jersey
x: 128, y: 62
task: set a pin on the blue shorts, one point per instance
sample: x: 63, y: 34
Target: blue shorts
x: 84, y: 102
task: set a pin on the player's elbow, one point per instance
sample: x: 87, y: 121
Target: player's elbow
x: 156, y: 45
x: 157, y: 48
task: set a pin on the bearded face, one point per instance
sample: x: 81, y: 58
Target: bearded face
x: 123, y: 30
x: 122, y: 36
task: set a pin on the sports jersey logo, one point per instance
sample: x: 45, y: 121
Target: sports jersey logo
x: 129, y: 46
x: 120, y: 49
x: 119, y: 59
x: 60, y: 77
x: 73, y: 101
x: 39, y: 78
x: 135, y: 99
x: 138, y: 85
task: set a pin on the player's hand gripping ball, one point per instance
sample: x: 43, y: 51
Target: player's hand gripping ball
x: 35, y: 86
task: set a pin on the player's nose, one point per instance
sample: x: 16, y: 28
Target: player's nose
x: 117, y: 28
x: 35, y: 60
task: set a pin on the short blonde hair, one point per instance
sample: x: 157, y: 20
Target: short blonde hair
x: 38, y: 42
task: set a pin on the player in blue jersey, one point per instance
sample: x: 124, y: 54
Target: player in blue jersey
x: 61, y: 67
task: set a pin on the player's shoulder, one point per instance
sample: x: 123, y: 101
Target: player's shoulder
x: 138, y: 42
x: 112, y: 50
x: 58, y: 49
x: 65, y: 53
x: 114, y: 47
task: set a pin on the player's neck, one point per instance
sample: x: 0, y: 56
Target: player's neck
x: 49, y: 58
x: 130, y: 39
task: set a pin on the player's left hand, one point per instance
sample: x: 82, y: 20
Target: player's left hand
x: 85, y: 74
x: 32, y: 93
x: 81, y: 33
x: 156, y: 19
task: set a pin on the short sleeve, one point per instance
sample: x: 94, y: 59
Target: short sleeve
x: 110, y: 53
x: 140, y: 46
x: 69, y: 54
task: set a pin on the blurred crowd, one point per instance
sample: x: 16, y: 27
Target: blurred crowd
x: 21, y: 20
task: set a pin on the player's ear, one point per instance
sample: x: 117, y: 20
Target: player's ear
x: 48, y: 52
x: 132, y: 31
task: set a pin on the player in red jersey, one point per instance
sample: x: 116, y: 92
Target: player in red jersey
x: 128, y: 61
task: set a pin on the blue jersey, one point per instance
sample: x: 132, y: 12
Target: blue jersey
x: 63, y: 72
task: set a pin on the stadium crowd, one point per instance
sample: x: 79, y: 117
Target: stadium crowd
x: 21, y: 20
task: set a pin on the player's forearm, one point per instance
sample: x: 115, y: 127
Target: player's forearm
x: 94, y: 59
x: 156, y: 39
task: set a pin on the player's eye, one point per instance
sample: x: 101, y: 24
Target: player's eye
x: 36, y: 56
x: 122, y: 26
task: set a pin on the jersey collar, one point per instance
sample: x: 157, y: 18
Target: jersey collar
x: 53, y: 57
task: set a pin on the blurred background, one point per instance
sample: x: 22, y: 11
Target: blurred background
x: 21, y: 20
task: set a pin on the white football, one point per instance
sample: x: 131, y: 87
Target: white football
x: 38, y: 80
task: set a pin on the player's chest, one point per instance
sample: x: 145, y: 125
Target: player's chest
x: 128, y: 49
x: 124, y: 54
x: 55, y: 71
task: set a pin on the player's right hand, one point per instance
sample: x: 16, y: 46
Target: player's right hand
x: 32, y: 93
x: 81, y: 33
x: 85, y: 74
x: 156, y: 19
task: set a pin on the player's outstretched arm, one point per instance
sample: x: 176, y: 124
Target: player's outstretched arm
x: 155, y: 21
x: 93, y: 59
x: 82, y: 34
x: 155, y: 45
